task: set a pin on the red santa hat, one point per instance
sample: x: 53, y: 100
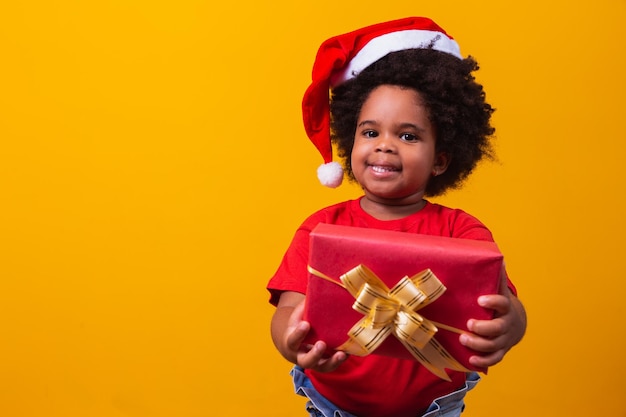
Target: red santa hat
x: 343, y: 57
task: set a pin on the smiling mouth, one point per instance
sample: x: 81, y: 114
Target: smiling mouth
x: 383, y: 169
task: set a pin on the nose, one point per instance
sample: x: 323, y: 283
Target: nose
x: 385, y: 144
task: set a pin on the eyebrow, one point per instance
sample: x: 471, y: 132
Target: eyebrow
x: 401, y: 125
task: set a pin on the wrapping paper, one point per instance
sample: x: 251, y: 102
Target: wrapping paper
x: 465, y: 268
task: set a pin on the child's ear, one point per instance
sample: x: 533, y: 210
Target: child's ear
x: 442, y: 160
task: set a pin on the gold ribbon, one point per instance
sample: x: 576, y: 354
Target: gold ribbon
x: 394, y: 311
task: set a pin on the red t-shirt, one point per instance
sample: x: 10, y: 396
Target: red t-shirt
x: 376, y: 386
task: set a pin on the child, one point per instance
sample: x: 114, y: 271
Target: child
x: 410, y: 121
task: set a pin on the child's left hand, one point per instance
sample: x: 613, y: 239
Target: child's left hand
x: 495, y: 337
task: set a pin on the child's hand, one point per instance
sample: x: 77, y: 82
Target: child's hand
x: 289, y: 331
x: 495, y: 337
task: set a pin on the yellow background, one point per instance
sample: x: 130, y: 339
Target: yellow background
x: 153, y: 168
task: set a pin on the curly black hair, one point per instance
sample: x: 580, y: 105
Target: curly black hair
x: 454, y: 100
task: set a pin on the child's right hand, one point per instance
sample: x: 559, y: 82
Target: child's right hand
x: 289, y: 331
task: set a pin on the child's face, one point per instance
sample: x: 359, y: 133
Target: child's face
x: 394, y: 147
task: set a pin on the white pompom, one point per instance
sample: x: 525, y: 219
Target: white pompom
x: 330, y: 174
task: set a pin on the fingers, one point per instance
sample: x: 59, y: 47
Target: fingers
x: 493, y: 350
x: 489, y: 338
x: 482, y: 344
x: 488, y: 328
x: 309, y: 356
x: 487, y: 360
x: 315, y: 358
x: 490, y: 332
x: 297, y: 335
x: 493, y: 338
x: 332, y: 363
x: 501, y: 304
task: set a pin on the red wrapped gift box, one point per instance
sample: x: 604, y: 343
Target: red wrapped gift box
x: 467, y: 268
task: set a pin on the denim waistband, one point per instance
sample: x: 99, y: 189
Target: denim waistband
x: 450, y: 405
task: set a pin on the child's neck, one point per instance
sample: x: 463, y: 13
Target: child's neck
x: 388, y: 210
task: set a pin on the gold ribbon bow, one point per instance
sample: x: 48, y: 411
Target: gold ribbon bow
x: 394, y: 311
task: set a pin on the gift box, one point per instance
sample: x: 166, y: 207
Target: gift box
x: 357, y: 277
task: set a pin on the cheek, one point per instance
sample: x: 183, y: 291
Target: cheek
x: 418, y: 164
x: 357, y: 161
x: 354, y: 162
x: 357, y: 152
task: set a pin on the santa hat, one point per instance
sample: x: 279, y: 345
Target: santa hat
x: 343, y: 57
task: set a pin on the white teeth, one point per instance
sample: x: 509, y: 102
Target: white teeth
x: 377, y: 168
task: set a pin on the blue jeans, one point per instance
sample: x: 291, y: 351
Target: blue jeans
x: 450, y: 405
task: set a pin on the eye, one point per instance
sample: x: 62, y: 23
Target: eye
x: 409, y: 137
x: 370, y: 133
